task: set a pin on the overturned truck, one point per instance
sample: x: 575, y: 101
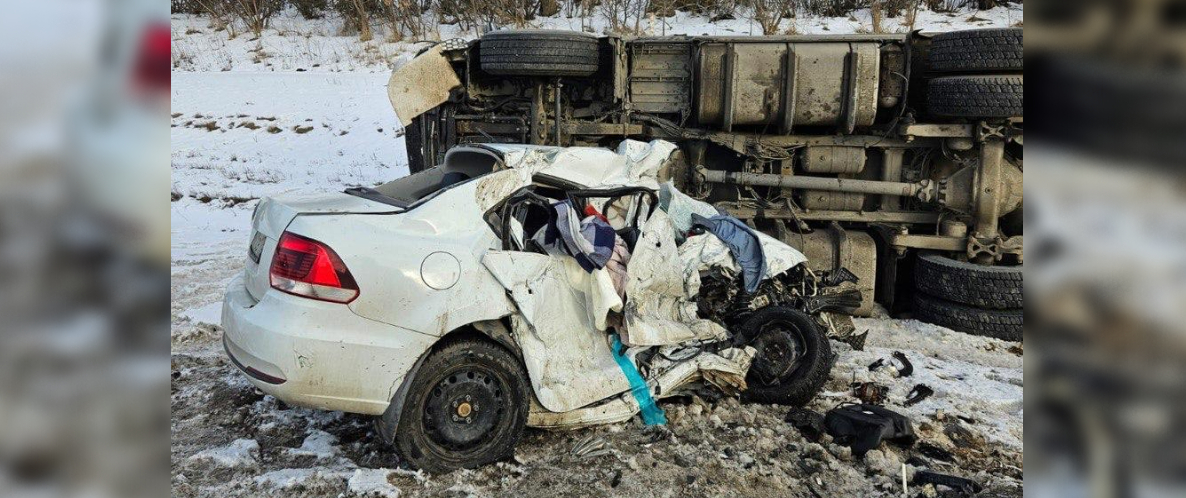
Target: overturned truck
x: 896, y: 157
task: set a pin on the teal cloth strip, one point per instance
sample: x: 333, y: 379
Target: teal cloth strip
x: 651, y: 413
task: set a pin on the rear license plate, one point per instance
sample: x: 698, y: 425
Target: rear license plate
x: 257, y: 247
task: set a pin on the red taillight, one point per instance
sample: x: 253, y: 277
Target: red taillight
x: 308, y: 268
x: 151, y: 70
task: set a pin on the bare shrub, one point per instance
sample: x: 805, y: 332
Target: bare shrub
x: 256, y: 14
x: 769, y: 13
x: 186, y: 7
x: 948, y: 5
x: 310, y: 9
x: 549, y: 8
x: 481, y: 14
x: 912, y: 14
x: 624, y: 15
x: 221, y: 15
x: 829, y: 8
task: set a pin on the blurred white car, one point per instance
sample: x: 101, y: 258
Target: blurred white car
x: 430, y: 302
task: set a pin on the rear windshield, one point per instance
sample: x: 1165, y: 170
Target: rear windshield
x: 408, y: 191
x: 460, y: 166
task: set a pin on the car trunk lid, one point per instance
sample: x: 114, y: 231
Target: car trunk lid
x: 273, y: 215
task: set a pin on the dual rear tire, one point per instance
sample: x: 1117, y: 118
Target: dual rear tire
x: 966, y: 297
x: 979, y: 74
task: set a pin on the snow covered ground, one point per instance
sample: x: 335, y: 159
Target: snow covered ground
x: 305, y: 109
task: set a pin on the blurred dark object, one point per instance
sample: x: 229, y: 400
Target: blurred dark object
x: 84, y: 248
x: 1106, y: 274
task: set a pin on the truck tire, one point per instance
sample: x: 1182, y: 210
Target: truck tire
x: 466, y: 407
x: 995, y: 287
x: 539, y: 53
x: 793, y: 360
x: 997, y: 96
x: 978, y: 51
x: 999, y: 324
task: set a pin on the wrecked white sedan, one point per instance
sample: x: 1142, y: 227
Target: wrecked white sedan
x: 519, y: 286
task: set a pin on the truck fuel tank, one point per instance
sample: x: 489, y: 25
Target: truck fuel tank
x: 792, y: 83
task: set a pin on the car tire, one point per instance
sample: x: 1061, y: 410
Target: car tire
x: 996, y: 96
x: 466, y: 407
x: 994, y: 287
x: 999, y: 324
x: 539, y: 53
x: 770, y: 330
x: 978, y: 51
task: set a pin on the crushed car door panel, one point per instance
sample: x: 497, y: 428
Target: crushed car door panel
x: 560, y: 309
x: 658, y: 308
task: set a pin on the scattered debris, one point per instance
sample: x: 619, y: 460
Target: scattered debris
x: 966, y: 487
x: 961, y: 437
x: 907, y: 368
x: 591, y: 447
x: 934, y: 452
x: 919, y: 393
x: 857, y: 341
x: 863, y: 427
x: 809, y: 423
x: 870, y: 393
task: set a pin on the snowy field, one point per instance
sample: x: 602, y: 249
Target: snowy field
x: 311, y: 114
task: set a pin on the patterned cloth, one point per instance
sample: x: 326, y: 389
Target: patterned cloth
x: 590, y: 241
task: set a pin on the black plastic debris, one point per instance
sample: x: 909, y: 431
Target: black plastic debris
x: 863, y: 427
x: 857, y: 341
x: 935, y: 453
x: 809, y: 423
x: 843, y: 302
x: 870, y: 393
x: 907, y: 368
x: 963, y: 485
x: 919, y: 393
